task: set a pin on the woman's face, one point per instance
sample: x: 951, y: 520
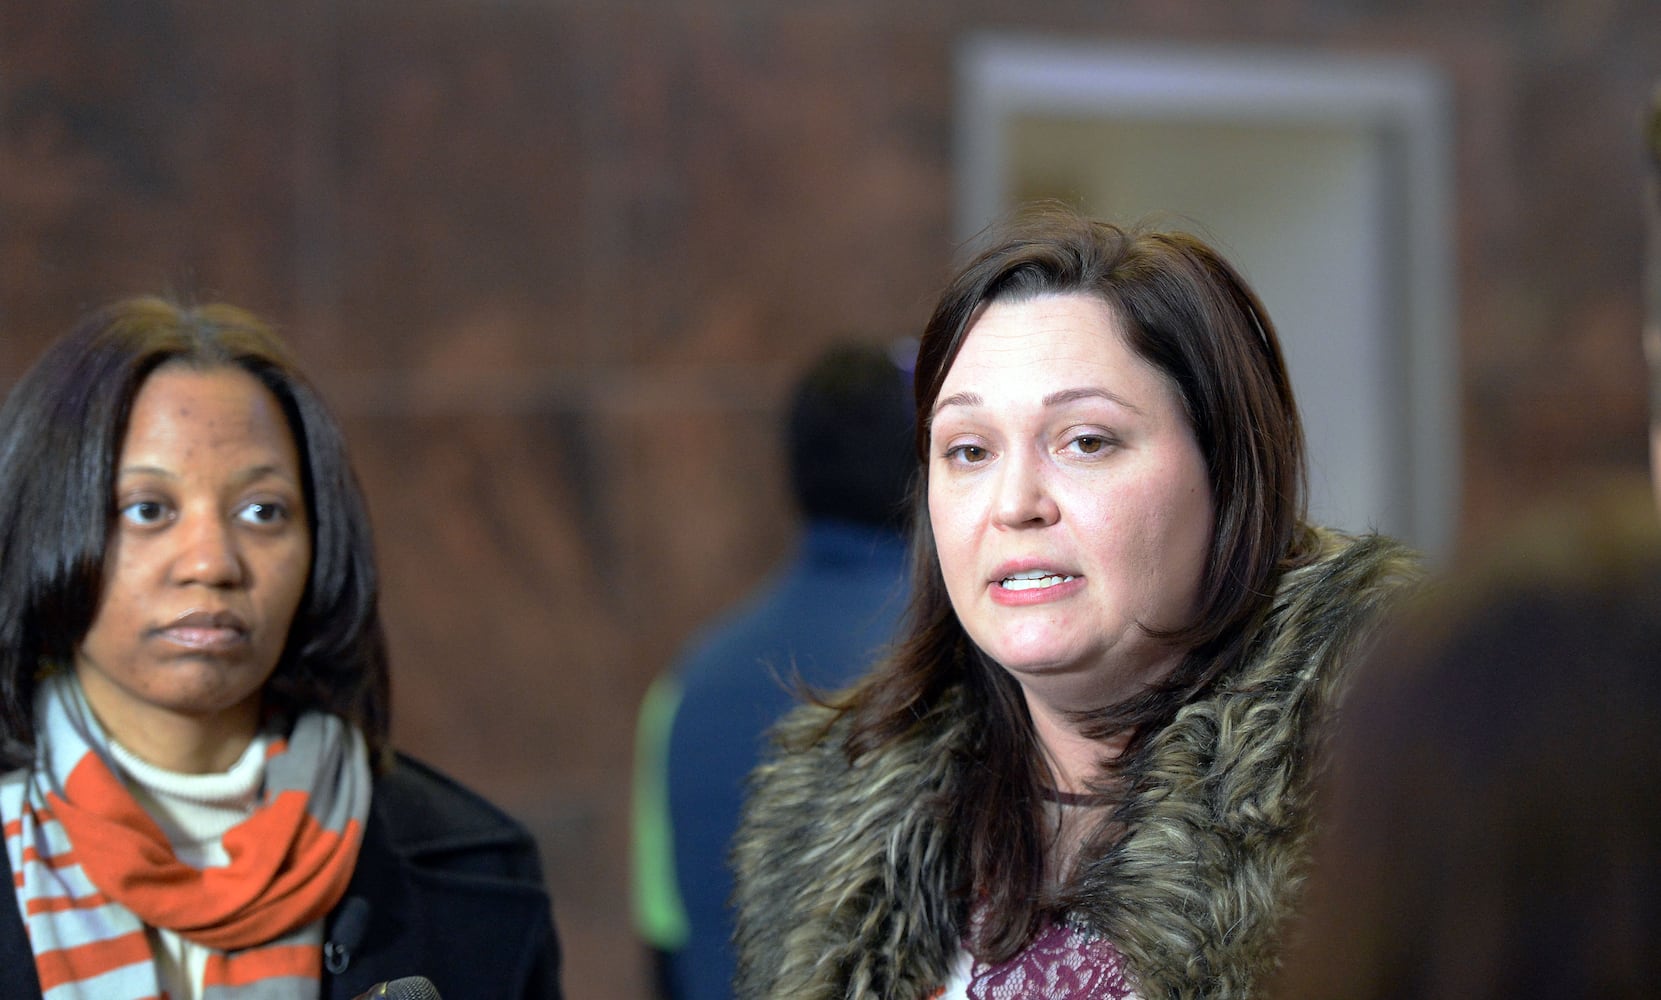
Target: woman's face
x: 206, y: 562
x: 1069, y: 499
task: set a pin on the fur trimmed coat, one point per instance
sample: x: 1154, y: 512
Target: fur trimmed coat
x: 842, y: 869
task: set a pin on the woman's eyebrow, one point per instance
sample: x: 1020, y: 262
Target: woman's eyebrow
x: 956, y: 399
x: 1088, y: 392
x: 146, y: 470
x: 1057, y: 398
x: 240, y: 478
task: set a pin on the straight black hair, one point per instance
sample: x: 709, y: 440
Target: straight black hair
x: 61, y: 433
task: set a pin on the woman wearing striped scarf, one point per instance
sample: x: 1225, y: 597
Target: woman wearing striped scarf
x: 195, y: 786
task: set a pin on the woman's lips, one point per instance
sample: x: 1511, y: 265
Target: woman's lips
x: 1035, y: 586
x: 205, y: 631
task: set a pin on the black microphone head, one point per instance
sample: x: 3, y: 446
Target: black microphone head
x: 408, y: 988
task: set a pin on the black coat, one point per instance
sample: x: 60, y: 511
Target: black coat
x: 446, y: 886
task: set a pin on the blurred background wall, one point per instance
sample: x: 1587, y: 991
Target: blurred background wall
x: 554, y: 264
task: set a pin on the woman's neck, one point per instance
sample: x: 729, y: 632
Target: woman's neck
x: 174, y: 740
x: 1080, y: 762
x: 187, y: 749
x: 1077, y: 762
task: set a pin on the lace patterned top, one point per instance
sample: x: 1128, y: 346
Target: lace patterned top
x: 1061, y: 963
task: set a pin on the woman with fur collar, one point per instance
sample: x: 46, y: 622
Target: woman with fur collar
x: 1083, y: 771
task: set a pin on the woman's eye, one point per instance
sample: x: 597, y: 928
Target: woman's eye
x: 263, y: 512
x: 1090, y: 444
x: 970, y: 453
x: 144, y: 512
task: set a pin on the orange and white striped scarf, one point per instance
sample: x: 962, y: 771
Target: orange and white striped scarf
x: 92, y: 870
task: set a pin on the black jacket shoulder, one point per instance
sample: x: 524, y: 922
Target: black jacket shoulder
x: 435, y: 821
x: 447, y: 886
x: 17, y: 963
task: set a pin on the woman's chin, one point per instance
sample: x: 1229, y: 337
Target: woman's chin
x: 1053, y: 671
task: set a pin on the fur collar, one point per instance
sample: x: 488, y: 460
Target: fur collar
x: 842, y: 880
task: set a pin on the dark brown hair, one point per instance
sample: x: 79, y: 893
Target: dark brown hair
x: 1187, y: 312
x: 61, y: 432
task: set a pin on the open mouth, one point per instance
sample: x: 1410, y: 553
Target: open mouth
x: 1037, y: 579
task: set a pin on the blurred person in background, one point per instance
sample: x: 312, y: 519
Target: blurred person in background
x: 1490, y: 825
x: 819, y: 622
x: 1084, y: 771
x: 1652, y: 280
x: 196, y: 786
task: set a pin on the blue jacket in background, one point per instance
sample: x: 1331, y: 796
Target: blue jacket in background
x: 824, y: 618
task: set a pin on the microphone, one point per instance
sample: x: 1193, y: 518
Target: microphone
x: 347, y: 934
x: 407, y: 988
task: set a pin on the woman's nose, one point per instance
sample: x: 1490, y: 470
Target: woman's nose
x: 209, y: 553
x: 1024, y: 498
